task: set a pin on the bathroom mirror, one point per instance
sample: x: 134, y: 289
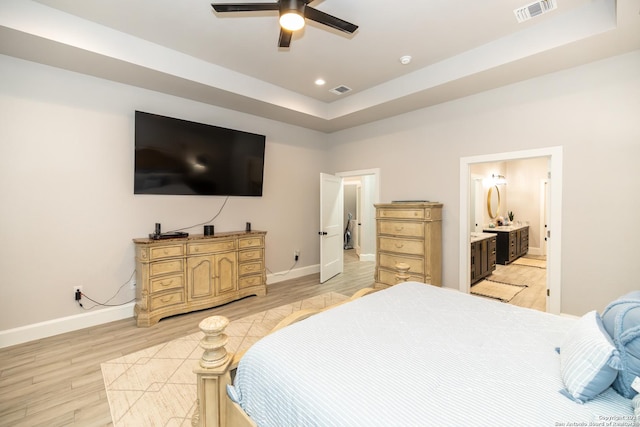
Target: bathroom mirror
x: 493, y: 202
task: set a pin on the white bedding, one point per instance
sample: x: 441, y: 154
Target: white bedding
x: 416, y: 355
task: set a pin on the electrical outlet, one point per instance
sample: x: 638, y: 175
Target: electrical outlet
x: 76, y: 289
x: 296, y: 254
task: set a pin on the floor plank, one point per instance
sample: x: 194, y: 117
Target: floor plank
x: 57, y: 381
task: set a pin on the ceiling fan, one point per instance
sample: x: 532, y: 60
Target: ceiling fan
x: 292, y: 16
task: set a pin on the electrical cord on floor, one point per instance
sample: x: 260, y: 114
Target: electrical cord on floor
x: 285, y: 273
x: 106, y: 303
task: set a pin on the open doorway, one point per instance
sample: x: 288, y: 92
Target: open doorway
x: 363, y: 187
x: 553, y: 190
x: 508, y: 254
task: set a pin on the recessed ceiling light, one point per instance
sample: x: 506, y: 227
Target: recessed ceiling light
x: 404, y: 60
x: 320, y: 82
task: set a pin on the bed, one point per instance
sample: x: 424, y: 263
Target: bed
x: 410, y: 355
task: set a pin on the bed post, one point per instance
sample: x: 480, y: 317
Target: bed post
x: 213, y: 374
x: 403, y: 272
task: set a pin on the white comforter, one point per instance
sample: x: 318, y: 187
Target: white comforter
x: 416, y: 355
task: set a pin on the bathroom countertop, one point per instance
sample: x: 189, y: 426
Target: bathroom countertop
x: 476, y: 237
x: 505, y: 228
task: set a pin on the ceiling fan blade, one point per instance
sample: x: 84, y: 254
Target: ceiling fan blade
x: 285, y: 38
x: 244, y: 7
x: 329, y: 20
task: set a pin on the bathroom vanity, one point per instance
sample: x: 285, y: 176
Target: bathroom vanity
x: 483, y: 255
x: 512, y: 242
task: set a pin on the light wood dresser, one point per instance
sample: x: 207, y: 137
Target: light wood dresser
x: 410, y: 233
x: 176, y: 276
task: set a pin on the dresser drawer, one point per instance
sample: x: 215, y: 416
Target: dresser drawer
x: 389, y: 277
x: 165, y: 283
x: 152, y: 253
x: 166, y: 267
x: 424, y: 213
x: 250, y: 268
x: 402, y: 246
x: 250, y: 255
x: 208, y: 247
x: 251, y: 242
x: 390, y: 260
x: 249, y: 281
x: 401, y: 228
x: 166, y: 299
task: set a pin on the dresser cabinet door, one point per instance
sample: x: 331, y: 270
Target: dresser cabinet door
x: 225, y: 279
x: 200, y: 277
x: 211, y: 275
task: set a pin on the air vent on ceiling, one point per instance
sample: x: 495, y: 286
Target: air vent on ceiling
x: 534, y: 9
x: 340, y: 90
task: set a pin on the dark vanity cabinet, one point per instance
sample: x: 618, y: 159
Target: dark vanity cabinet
x: 512, y: 242
x: 483, y: 256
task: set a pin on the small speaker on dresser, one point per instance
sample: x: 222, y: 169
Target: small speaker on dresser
x: 208, y: 230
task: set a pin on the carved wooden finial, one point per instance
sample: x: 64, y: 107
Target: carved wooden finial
x: 214, y: 341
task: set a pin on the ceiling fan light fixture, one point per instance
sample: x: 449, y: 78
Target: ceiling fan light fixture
x: 292, y: 14
x: 291, y: 20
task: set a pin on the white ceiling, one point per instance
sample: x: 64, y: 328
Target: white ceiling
x: 232, y: 60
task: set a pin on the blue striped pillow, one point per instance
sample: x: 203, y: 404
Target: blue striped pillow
x: 589, y: 361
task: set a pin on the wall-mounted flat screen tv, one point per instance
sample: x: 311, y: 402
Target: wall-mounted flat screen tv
x: 174, y: 156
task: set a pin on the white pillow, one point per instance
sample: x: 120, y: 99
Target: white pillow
x: 589, y: 361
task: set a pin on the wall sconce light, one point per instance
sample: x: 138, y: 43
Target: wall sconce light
x: 498, y: 179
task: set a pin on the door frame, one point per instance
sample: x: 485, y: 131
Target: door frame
x: 554, y: 254
x: 367, y: 213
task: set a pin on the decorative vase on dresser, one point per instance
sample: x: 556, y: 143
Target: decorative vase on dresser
x: 410, y: 233
x: 180, y: 275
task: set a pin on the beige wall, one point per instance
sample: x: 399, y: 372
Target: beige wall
x: 69, y: 213
x: 591, y: 111
x: 66, y: 189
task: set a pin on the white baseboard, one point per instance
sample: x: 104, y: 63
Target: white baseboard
x: 367, y: 257
x: 535, y: 251
x: 53, y: 327
x: 293, y: 274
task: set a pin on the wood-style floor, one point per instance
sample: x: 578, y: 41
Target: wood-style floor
x: 57, y: 381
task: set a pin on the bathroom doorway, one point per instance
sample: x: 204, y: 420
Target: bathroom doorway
x: 554, y: 191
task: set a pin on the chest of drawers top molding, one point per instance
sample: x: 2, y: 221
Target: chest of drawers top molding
x: 425, y: 211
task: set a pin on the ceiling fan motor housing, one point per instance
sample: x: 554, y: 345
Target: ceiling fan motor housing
x: 292, y: 6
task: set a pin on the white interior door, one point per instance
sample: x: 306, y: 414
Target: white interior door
x: 331, y: 238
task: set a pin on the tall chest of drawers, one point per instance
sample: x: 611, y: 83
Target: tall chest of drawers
x: 176, y: 276
x: 410, y: 233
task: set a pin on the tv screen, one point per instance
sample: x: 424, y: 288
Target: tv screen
x: 174, y: 156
